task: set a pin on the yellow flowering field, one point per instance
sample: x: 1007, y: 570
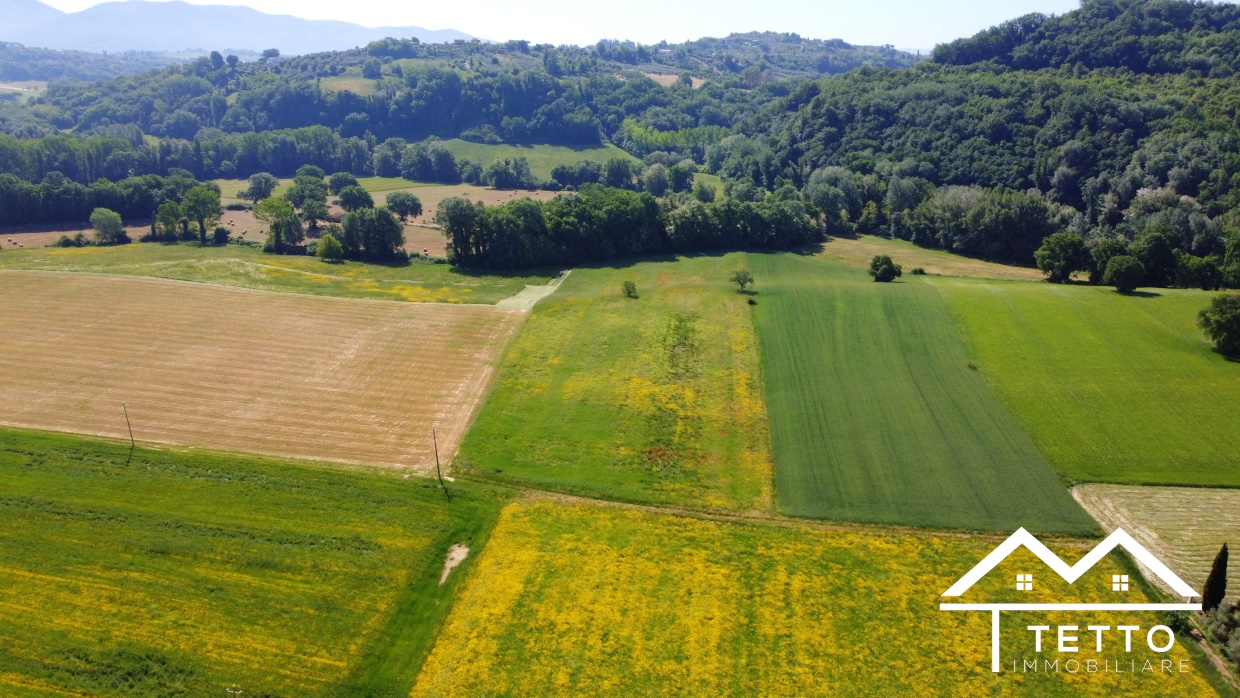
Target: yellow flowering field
x: 571, y: 599
x: 656, y: 398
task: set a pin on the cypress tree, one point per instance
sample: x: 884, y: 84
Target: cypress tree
x: 1216, y: 583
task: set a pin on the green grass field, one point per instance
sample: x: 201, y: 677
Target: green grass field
x: 233, y: 265
x: 876, y: 415
x: 348, y: 83
x: 1111, y: 388
x: 542, y: 158
x: 654, y: 399
x: 180, y: 574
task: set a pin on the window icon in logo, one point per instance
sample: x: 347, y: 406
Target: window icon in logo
x: 1024, y: 582
x: 1119, y: 582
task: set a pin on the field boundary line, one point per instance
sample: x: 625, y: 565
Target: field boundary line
x: 244, y: 289
x: 529, y: 494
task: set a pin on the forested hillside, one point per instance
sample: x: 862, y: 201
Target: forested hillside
x: 1117, y: 121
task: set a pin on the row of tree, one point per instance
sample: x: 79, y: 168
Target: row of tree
x: 57, y: 199
x: 600, y: 224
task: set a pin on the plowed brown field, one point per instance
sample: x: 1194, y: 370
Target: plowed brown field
x: 225, y: 368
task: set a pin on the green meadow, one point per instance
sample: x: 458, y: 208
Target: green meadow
x: 178, y: 573
x: 650, y: 399
x: 234, y: 265
x: 542, y: 158
x: 877, y: 415
x: 1111, y: 388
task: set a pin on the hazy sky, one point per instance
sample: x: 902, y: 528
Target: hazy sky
x: 903, y: 23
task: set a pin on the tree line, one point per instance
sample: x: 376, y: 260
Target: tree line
x: 600, y: 224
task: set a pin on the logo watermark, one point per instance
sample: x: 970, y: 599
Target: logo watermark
x: 1159, y: 638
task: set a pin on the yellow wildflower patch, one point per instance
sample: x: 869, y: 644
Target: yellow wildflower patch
x: 586, y: 600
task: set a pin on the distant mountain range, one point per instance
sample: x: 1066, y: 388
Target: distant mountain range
x: 138, y: 25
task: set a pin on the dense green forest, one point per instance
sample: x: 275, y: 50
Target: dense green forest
x: 1117, y: 120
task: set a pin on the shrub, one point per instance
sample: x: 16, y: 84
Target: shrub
x: 1176, y: 620
x: 1221, y: 322
x: 221, y: 235
x: 329, y: 249
x: 884, y: 270
x: 78, y: 240
x: 1125, y: 273
x: 236, y: 206
x: 108, y: 227
x: 918, y: 271
x: 629, y: 289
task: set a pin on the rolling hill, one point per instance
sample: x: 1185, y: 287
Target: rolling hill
x: 138, y: 25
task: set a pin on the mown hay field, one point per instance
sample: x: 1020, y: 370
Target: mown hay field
x: 596, y: 600
x: 1112, y: 388
x: 179, y: 574
x: 1183, y: 526
x: 876, y: 415
x: 334, y: 379
x: 234, y: 265
x: 860, y: 250
x: 653, y: 399
x: 542, y: 158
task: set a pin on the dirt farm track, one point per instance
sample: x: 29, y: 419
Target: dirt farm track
x: 224, y: 368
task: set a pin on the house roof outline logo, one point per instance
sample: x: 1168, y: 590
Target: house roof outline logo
x: 1118, y: 539
x: 1023, y: 538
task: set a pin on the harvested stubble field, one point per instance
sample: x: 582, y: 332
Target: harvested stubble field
x: 177, y: 574
x: 876, y: 416
x: 1183, y: 526
x: 283, y: 374
x: 431, y: 195
x: 653, y: 399
x: 233, y: 265
x: 1111, y: 387
x: 599, y: 601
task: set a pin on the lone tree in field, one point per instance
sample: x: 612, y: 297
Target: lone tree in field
x: 404, y: 204
x: 1125, y: 273
x: 202, y: 205
x: 885, y: 270
x: 1216, y: 583
x: 629, y: 289
x: 330, y: 249
x: 261, y: 186
x: 1060, y: 255
x: 355, y: 198
x: 108, y: 227
x: 1221, y: 321
x: 742, y: 279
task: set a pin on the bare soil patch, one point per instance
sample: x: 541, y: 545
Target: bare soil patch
x: 1183, y: 526
x: 456, y: 555
x: 44, y: 234
x: 431, y: 196
x: 225, y: 368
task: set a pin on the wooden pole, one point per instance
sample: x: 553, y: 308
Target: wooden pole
x: 125, y: 407
x: 132, y: 443
x: 438, y: 472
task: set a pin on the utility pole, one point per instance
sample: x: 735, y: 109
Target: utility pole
x: 125, y: 407
x: 438, y: 472
x: 132, y: 443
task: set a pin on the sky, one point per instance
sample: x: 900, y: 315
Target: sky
x: 906, y: 24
